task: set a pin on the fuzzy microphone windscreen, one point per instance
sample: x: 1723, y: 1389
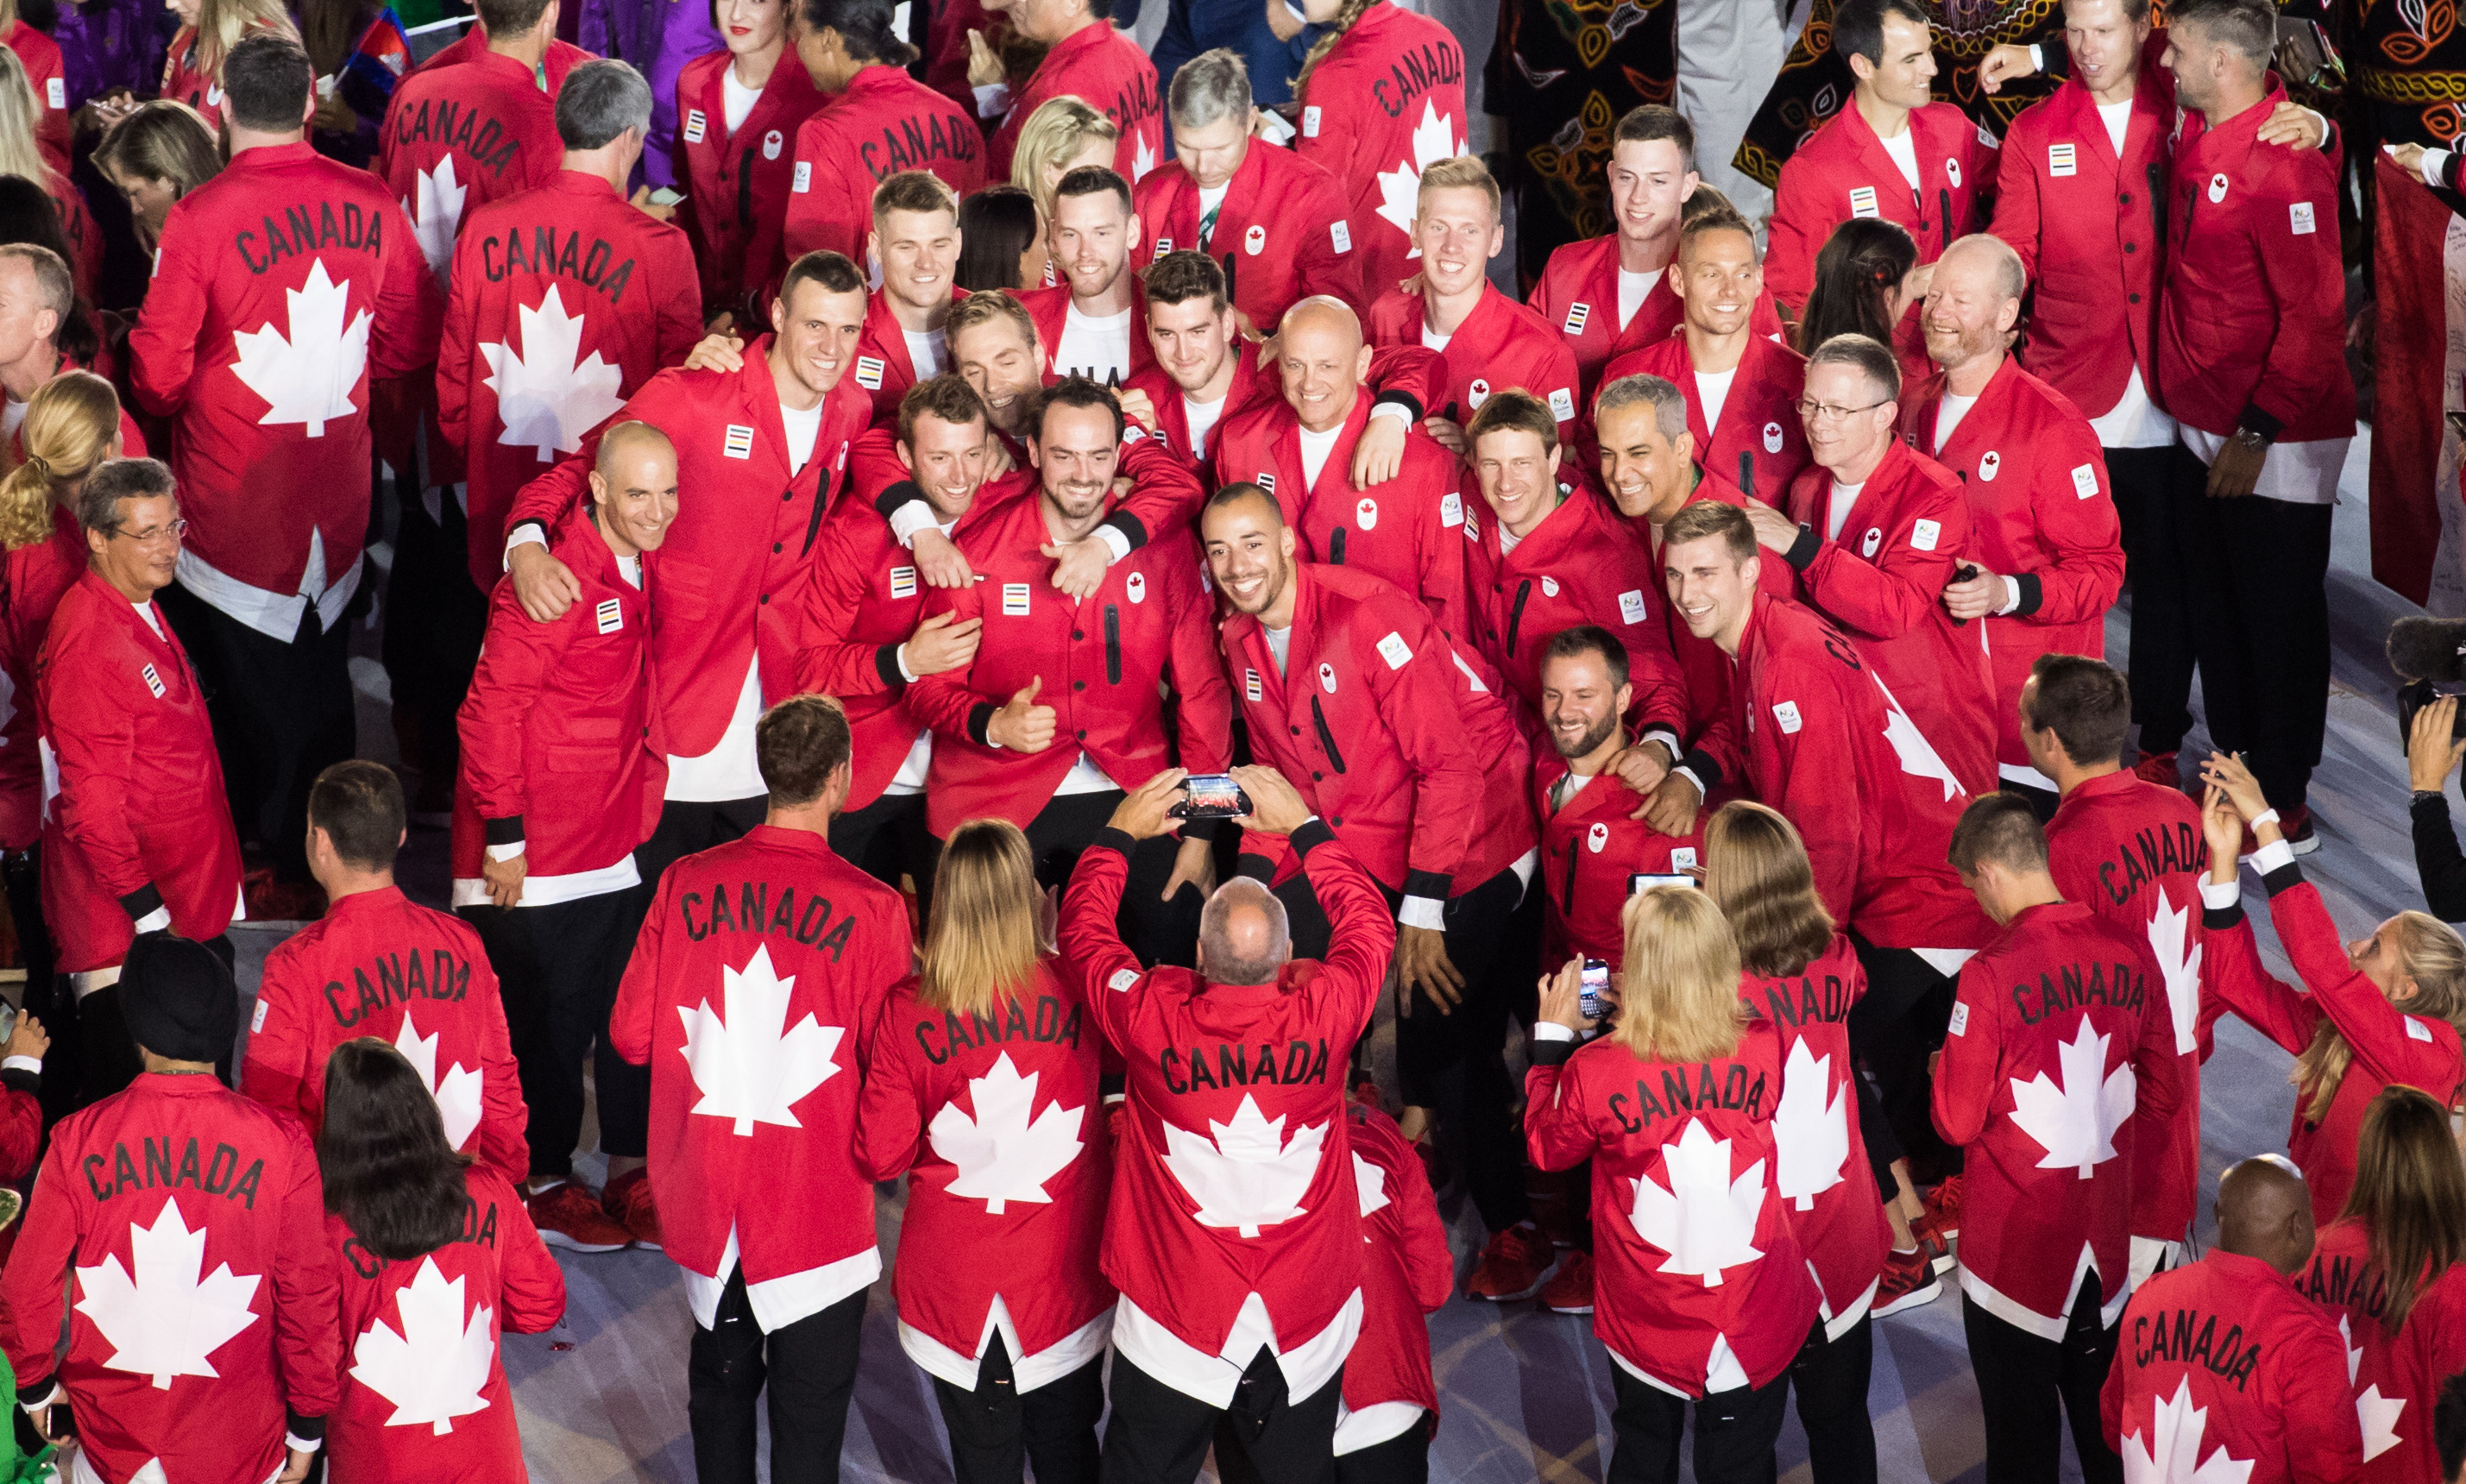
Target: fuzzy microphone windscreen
x: 2433, y: 649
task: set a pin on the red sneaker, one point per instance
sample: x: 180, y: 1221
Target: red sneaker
x: 1511, y: 1267
x: 628, y: 1203
x: 1908, y: 1282
x: 1936, y: 1245
x: 1944, y: 1207
x: 569, y: 1217
x: 1570, y: 1290
x: 2296, y: 826
x: 2158, y: 768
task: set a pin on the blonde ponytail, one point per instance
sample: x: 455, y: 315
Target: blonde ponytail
x: 71, y: 424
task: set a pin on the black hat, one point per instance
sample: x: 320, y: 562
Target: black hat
x: 178, y: 999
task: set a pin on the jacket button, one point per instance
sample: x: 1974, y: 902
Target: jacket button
x: 775, y: 548
x: 1318, y: 776
x: 2129, y: 246
x: 766, y: 598
x: 1297, y: 731
x: 787, y: 495
x: 1337, y: 823
x: 2125, y: 199
x: 1083, y: 734
x: 1079, y: 685
x: 1077, y: 634
x: 2133, y: 298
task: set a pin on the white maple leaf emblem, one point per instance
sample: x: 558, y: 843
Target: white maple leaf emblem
x: 1705, y: 1220
x: 307, y: 377
x: 1002, y: 1153
x: 2168, y: 1450
x: 151, y: 1473
x: 166, y: 1320
x: 1249, y: 1176
x: 2376, y: 1413
x: 1919, y: 756
x: 750, y: 1067
x: 2075, y: 1122
x: 1810, y: 1136
x: 432, y: 1372
x: 1400, y: 189
x: 1370, y: 1183
x: 457, y: 1093
x: 436, y: 216
x: 548, y: 395
x: 1143, y: 159
x: 2167, y: 929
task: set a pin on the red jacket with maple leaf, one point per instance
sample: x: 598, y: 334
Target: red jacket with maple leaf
x: 737, y: 180
x: 1407, y: 1271
x: 1881, y: 582
x: 726, y: 592
x: 2228, y: 1364
x: 380, y: 964
x: 1050, y: 308
x: 887, y: 122
x: 1708, y: 671
x: 1843, y: 171
x: 1389, y: 731
x: 1111, y: 72
x: 1384, y: 102
x: 142, y: 821
x: 1500, y: 345
x: 1194, y: 1230
x: 752, y: 989
x: 995, y: 1122
x: 562, y: 56
x: 884, y: 366
x: 2393, y: 1378
x: 2132, y: 852
x: 184, y: 1226
x: 415, y: 1323
x: 1281, y: 231
x: 2060, y: 1041
x: 1578, y: 293
x: 1410, y: 530
x: 520, y: 383
x: 274, y: 279
x: 1825, y: 747
x: 1103, y: 662
x: 2040, y: 516
x: 1700, y: 1283
x: 1824, y: 1176
x: 461, y: 137
x: 1760, y: 421
x: 1591, y: 850
x: 2388, y: 1045
x: 33, y: 578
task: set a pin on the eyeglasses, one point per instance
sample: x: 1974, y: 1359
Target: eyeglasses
x: 174, y: 530
x: 1826, y: 411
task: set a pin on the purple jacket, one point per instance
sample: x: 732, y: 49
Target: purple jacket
x: 107, y: 44
x: 658, y: 37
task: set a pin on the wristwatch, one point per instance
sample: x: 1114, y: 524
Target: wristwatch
x: 2251, y: 440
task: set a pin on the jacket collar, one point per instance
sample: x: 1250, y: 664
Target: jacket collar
x: 360, y: 903
x: 272, y: 157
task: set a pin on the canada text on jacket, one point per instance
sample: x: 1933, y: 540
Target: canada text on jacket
x: 166, y: 1166
x: 1732, y: 1084
x: 558, y: 254
x: 1233, y: 1066
x: 460, y: 126
x: 400, y: 978
x: 754, y: 909
x: 1051, y: 1022
x: 2077, y: 986
x: 2160, y: 851
x: 310, y: 227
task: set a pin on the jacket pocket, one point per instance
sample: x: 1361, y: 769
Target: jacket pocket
x: 1112, y: 644
x: 1326, y: 736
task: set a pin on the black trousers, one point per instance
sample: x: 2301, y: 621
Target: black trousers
x: 557, y: 968
x: 2261, y: 621
x: 887, y: 840
x: 2157, y: 572
x: 47, y: 991
x: 810, y: 1368
x: 282, y: 713
x: 1158, y: 1435
x: 1157, y: 931
x: 1736, y: 1432
x: 435, y: 620
x: 1893, y: 1032
x: 2029, y: 1387
x: 1830, y: 1378
x: 1403, y: 1459
x: 998, y: 1428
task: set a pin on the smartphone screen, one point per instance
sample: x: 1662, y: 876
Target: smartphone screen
x: 1588, y: 991
x: 1640, y: 882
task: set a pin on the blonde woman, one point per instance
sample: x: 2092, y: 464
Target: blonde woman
x: 981, y: 1089
x: 1061, y: 136
x: 22, y: 155
x: 1700, y: 1289
x: 155, y: 155
x: 193, y: 69
x: 2379, y: 1010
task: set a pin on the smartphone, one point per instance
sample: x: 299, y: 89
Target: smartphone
x: 2414, y: 696
x: 1589, y: 988
x: 663, y: 195
x: 1639, y: 883
x: 1211, y: 796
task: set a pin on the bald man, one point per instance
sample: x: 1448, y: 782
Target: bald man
x: 562, y: 780
x: 2222, y: 1366
x: 2045, y: 559
x: 1412, y: 529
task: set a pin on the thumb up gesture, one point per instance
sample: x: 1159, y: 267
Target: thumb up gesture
x: 1022, y: 725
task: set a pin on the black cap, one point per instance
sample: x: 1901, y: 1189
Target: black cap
x: 178, y: 998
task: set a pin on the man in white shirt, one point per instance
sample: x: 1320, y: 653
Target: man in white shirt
x: 1089, y: 321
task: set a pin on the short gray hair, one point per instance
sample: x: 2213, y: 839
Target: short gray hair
x: 1669, y: 404
x: 2012, y: 278
x: 1224, y: 966
x: 2246, y: 28
x: 122, y: 479
x: 599, y: 100
x: 1209, y: 87
x: 52, y: 277
x: 1864, y: 353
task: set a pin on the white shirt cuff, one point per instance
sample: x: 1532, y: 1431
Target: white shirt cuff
x: 2037, y: 57
x: 301, y: 1445
x: 900, y: 655
x: 1689, y: 773
x: 33, y: 1063
x: 524, y: 534
x: 37, y: 1404
x: 2011, y: 598
x: 992, y: 99
x: 1667, y: 739
x: 2314, y: 114
x: 2273, y: 855
x: 2219, y: 895
x: 1395, y: 409
x: 910, y: 518
x: 1114, y: 542
x: 1550, y: 1030
x: 507, y: 852
x: 2434, y: 162
x: 1423, y: 911
x: 154, y: 921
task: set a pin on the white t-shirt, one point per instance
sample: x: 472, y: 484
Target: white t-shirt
x: 803, y: 428
x: 928, y: 350
x: 1202, y: 417
x: 145, y: 611
x: 630, y: 568
x: 2134, y: 421
x: 1634, y: 288
x: 1507, y: 540
x: 1280, y: 644
x: 1948, y: 413
x: 736, y: 99
x: 1713, y: 390
x: 1844, y: 496
x: 1432, y: 340
x: 2117, y: 119
x: 1316, y: 447
x: 1903, y: 148
x: 1094, y: 348
x: 1565, y: 791
x: 1209, y: 201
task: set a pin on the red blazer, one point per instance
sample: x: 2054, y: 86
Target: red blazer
x: 1195, y: 1228
x: 1882, y: 583
x: 1578, y: 293
x: 1386, y: 101
x: 2040, y: 514
x: 723, y: 598
x: 997, y: 1123
x: 1103, y: 662
x: 1827, y: 746
x: 625, y: 308
x: 2394, y: 1379
x: 752, y: 989
x: 2389, y: 1045
x: 1591, y: 850
x: 185, y: 82
x: 736, y: 184
x: 2060, y: 1041
x: 1500, y: 345
x: 1843, y: 171
x: 1395, y: 737
x: 496, y: 1277
x: 1407, y: 1271
x: 1050, y: 309
x: 141, y: 819
x: 1709, y: 718
x: 379, y: 964
x: 1760, y: 421
x: 283, y: 245
x: 2252, y: 324
x: 883, y: 368
x: 1410, y: 530
x: 887, y: 122
x: 1281, y: 231
x: 32, y: 580
x: 1110, y: 72
x: 561, y: 749
x: 2132, y: 852
x: 461, y: 137
x: 178, y: 1182
x: 1703, y: 1285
